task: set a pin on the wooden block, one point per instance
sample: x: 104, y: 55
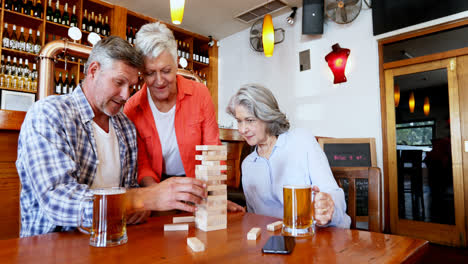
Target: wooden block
x: 214, y: 200
x: 176, y: 227
x: 213, y: 210
x: 217, y: 192
x: 199, y: 173
x: 275, y: 226
x: 195, y: 244
x: 221, y: 177
x: 210, y: 168
x: 254, y: 233
x: 211, y: 228
x: 183, y: 219
x: 210, y: 147
x: 211, y: 157
x: 216, y: 187
x: 214, y: 153
x: 208, y: 183
x: 210, y: 162
x: 211, y: 220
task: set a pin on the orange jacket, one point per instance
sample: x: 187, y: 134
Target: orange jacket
x: 195, y: 124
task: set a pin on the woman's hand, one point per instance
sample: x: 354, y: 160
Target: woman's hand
x: 323, y: 207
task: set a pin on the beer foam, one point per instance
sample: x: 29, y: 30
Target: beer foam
x: 108, y: 191
x: 297, y: 186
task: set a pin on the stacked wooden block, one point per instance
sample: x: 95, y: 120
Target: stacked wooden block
x: 212, y: 212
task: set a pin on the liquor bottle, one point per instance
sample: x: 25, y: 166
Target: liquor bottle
x: 8, y: 6
x: 49, y: 12
x: 97, y: 27
x: 74, y: 18
x: 8, y: 65
x: 37, y: 44
x: 19, y: 67
x: 8, y: 78
x: 22, y: 41
x: 91, y: 22
x: 187, y: 52
x: 2, y: 75
x: 57, y: 14
x: 14, y: 79
x: 59, y: 84
x: 38, y: 9
x: 17, y: 6
x: 5, y: 37
x: 72, y: 83
x: 30, y: 43
x: 28, y: 7
x: 130, y: 35
x: 34, y: 78
x: 207, y: 57
x: 65, y: 85
x: 65, y: 16
x: 26, y: 69
x: 2, y: 64
x: 84, y: 24
x: 107, y: 27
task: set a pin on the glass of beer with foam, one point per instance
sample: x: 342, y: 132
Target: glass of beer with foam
x: 109, y: 226
x: 298, y: 214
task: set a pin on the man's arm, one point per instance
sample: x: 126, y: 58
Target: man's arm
x: 46, y: 157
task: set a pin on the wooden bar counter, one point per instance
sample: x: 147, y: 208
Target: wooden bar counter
x: 148, y: 243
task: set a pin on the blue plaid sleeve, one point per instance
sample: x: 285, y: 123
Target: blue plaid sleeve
x: 48, y: 169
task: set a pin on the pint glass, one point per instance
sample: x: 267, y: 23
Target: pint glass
x: 109, y: 218
x: 298, y: 216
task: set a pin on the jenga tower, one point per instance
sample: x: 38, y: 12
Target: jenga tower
x: 212, y: 212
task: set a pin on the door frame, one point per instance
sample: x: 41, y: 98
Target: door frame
x: 439, y: 233
x: 463, y: 82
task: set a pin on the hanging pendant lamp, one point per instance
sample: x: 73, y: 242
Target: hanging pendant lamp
x: 411, y: 102
x: 268, y: 36
x: 427, y: 106
x: 396, y: 92
x: 177, y: 11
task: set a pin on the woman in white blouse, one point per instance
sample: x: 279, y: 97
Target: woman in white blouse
x: 282, y: 157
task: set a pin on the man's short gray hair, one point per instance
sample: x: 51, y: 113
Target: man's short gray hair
x: 261, y: 103
x: 112, y: 49
x: 154, y: 38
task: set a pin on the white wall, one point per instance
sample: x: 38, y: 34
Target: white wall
x: 309, y: 98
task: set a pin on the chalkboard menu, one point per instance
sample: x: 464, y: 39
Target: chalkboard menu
x: 349, y: 152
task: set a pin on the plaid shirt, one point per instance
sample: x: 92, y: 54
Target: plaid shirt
x: 57, y: 162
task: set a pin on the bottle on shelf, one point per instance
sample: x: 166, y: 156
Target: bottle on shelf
x: 91, y: 22
x: 30, y: 43
x: 38, y: 9
x: 74, y: 18
x: 14, y: 66
x: 59, y: 84
x: 34, y: 78
x: 65, y: 84
x: 26, y: 69
x: 8, y: 79
x: 14, y: 79
x: 37, y: 43
x: 65, y: 16
x: 22, y: 41
x: 73, y: 83
x: 97, y: 26
x: 49, y: 12
x: 28, y: 8
x: 107, y: 27
x: 17, y: 6
x: 8, y: 65
x: 2, y: 65
x: 2, y: 75
x: 8, y: 6
x: 84, y: 24
x: 19, y: 68
x: 130, y: 35
x: 57, y: 14
x: 13, y: 39
x: 5, y: 37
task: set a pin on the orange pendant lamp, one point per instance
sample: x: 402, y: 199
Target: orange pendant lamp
x: 177, y: 11
x: 268, y: 36
x: 396, y: 91
x: 427, y: 106
x: 411, y: 102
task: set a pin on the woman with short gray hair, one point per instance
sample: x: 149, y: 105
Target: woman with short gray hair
x: 282, y: 157
x: 172, y: 115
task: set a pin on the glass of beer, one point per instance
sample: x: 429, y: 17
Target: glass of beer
x: 298, y: 216
x: 109, y: 226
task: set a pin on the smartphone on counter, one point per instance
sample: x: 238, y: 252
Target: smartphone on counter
x: 279, y: 245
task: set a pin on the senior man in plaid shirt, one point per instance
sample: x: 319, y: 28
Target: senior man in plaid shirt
x: 70, y: 144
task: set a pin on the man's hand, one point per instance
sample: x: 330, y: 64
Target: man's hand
x: 323, y: 207
x: 174, y: 193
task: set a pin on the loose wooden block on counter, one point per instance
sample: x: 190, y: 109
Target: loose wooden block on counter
x: 176, y: 227
x: 275, y: 226
x: 195, y: 244
x: 254, y: 233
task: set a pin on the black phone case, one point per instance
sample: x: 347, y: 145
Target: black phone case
x: 279, y: 245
